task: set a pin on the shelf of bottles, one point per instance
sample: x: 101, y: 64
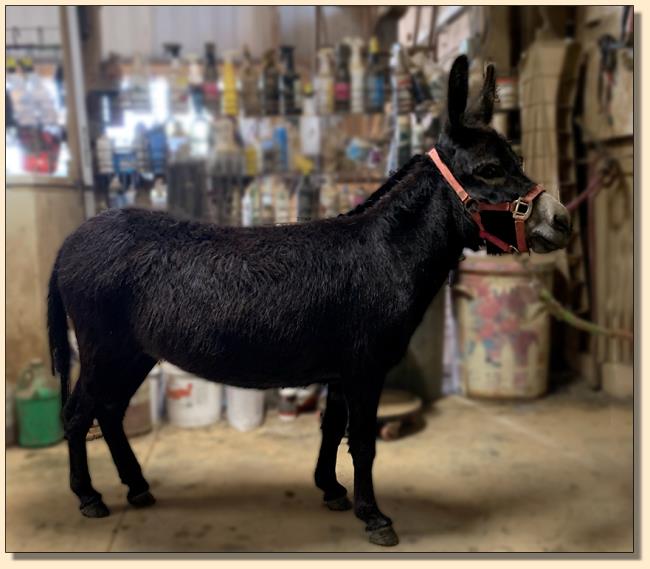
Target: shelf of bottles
x: 247, y: 142
x: 35, y: 119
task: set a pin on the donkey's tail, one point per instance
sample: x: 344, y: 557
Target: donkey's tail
x: 57, y: 328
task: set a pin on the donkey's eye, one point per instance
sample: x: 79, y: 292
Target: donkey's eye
x: 490, y: 171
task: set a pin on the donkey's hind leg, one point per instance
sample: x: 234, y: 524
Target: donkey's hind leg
x: 78, y: 415
x: 335, y: 419
x: 110, y: 414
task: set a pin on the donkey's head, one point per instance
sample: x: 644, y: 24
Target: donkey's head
x: 488, y: 169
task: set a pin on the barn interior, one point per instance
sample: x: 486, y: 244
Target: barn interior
x: 509, y: 424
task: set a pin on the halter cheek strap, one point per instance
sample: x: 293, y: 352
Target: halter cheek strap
x: 521, y: 208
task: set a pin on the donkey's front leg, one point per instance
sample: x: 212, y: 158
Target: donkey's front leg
x: 362, y: 405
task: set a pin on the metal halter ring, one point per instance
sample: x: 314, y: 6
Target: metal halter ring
x: 518, y: 213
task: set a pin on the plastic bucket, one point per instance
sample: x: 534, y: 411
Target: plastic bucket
x: 39, y: 420
x: 245, y: 407
x: 191, y: 401
x: 503, y: 328
x: 10, y: 415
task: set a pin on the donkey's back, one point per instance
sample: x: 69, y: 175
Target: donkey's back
x: 259, y: 307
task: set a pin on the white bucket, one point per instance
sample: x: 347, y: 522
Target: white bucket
x: 191, y: 401
x: 245, y: 407
x: 156, y: 380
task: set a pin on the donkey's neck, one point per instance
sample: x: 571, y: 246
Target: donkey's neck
x: 422, y: 222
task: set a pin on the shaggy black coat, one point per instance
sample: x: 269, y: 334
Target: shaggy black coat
x: 265, y: 306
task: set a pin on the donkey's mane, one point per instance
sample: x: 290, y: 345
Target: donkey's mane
x: 395, y: 178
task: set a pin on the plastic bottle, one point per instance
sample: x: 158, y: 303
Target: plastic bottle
x: 195, y: 82
x: 104, y: 155
x: 12, y: 79
x: 420, y: 85
x: 141, y: 147
x: 139, y: 96
x: 229, y: 100
x: 269, y: 85
x: 401, y: 82
x: 158, y: 194
x: 177, y: 80
x: 267, y: 189
x: 403, y: 139
x: 41, y: 98
x: 247, y: 206
x: 211, y: 80
x: 15, y: 87
x: 281, y: 199
x: 325, y: 83
x: 375, y: 80
x: 342, y: 79
x: 307, y: 198
x: 308, y: 100
x: 116, y: 193
x: 249, y: 78
x: 417, y: 136
x: 289, y: 83
x: 281, y: 142
x: 357, y: 76
x: 328, y: 198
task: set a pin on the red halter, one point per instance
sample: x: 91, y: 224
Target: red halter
x: 521, y: 208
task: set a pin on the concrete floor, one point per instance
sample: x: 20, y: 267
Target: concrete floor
x: 554, y: 475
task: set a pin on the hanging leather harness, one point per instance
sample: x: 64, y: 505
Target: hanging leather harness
x: 521, y: 209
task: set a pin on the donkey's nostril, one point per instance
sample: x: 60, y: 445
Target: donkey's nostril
x: 562, y: 222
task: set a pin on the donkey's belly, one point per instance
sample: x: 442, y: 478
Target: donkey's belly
x: 260, y: 364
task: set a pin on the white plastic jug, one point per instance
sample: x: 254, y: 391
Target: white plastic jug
x: 191, y: 401
x: 245, y: 407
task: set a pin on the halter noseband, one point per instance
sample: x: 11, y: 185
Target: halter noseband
x: 521, y: 208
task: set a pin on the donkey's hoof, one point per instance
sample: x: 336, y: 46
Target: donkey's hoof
x: 143, y: 500
x: 383, y: 536
x: 95, y: 510
x: 339, y: 504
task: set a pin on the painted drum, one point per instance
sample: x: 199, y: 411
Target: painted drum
x: 503, y: 328
x: 191, y: 401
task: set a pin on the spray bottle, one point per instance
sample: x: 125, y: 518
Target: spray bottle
x: 375, y: 80
x: 342, y: 79
x: 211, y: 80
x: 177, y: 80
x: 229, y: 101
x: 249, y: 86
x: 289, y: 83
x: 308, y: 100
x: 269, y: 85
x: 139, y: 98
x: 195, y: 81
x: 325, y: 83
x: 401, y: 82
x: 357, y: 75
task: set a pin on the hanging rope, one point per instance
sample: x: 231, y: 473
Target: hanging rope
x: 558, y: 311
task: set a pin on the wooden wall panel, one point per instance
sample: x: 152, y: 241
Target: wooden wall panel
x: 38, y: 220
x: 24, y: 307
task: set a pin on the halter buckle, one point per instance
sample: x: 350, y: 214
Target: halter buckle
x: 521, y: 210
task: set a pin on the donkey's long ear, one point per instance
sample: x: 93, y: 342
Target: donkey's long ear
x: 485, y: 107
x: 457, y: 91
